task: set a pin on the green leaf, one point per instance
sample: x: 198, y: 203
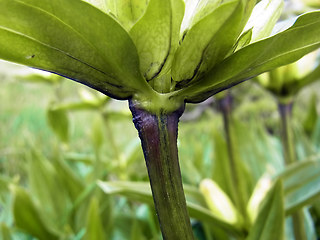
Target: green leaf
x: 45, y: 184
x: 59, y: 123
x: 97, y: 133
x: 140, y: 191
x: 127, y: 12
x: 263, y: 18
x: 37, y: 78
x: 269, y: 224
x: 73, y: 184
x: 308, y: 79
x: 156, y: 34
x: 301, y: 182
x: 243, y: 40
x: 281, y: 49
x: 71, y: 38
x: 218, y: 201
x: 310, y: 121
x: 94, y: 229
x: 5, y: 232
x: 203, y: 42
x: 28, y: 217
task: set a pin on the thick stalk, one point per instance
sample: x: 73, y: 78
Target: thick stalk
x: 285, y: 110
x: 236, y: 185
x: 158, y: 134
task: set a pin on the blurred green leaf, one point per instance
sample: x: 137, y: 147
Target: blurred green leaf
x: 47, y: 35
x: 97, y: 135
x: 37, y: 78
x: 313, y: 76
x: 48, y: 189
x: 218, y: 202
x: 59, y: 123
x: 301, y: 182
x: 312, y: 116
x: 28, y: 216
x: 5, y: 232
x: 140, y: 191
x: 94, y: 229
x: 269, y: 224
x: 73, y: 184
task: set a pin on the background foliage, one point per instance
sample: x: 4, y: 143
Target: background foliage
x: 71, y: 166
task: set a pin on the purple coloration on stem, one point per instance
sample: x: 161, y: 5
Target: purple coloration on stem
x: 158, y: 134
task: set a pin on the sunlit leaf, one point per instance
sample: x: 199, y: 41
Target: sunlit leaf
x: 127, y: 12
x: 203, y: 42
x: 47, y: 35
x: 269, y: 224
x: 258, y: 57
x: 263, y: 18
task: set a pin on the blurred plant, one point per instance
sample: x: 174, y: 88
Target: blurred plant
x: 135, y: 52
x: 285, y: 83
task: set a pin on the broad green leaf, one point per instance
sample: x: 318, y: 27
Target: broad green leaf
x: 263, y: 18
x: 127, y: 12
x: 162, y: 82
x: 301, y: 183
x: 151, y: 35
x: 59, y: 122
x: 28, y: 217
x: 84, y: 44
x: 203, y: 9
x: 281, y: 49
x: 94, y: 227
x: 269, y: 224
x: 201, y: 44
x: 156, y: 35
x: 140, y: 191
x: 101, y: 4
